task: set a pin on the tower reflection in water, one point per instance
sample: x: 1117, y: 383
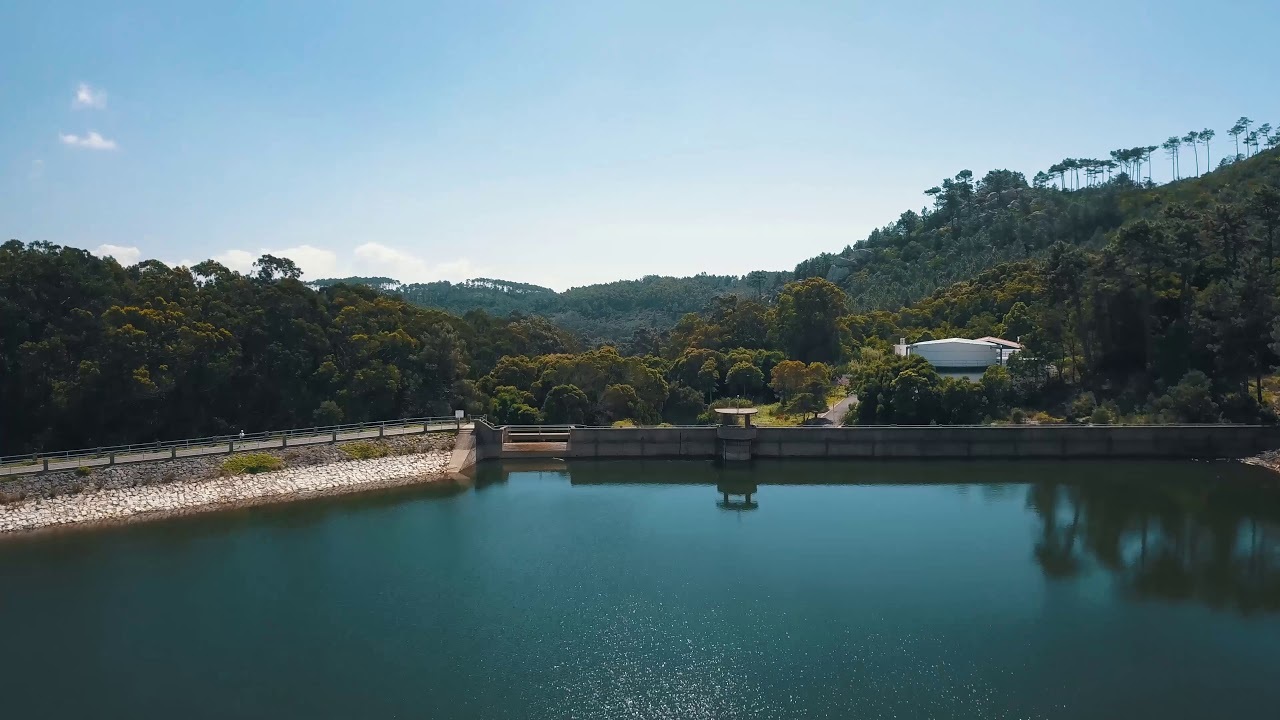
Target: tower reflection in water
x: 736, y: 483
x: 736, y: 496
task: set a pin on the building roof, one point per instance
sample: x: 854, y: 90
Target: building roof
x: 1002, y: 341
x: 951, y: 341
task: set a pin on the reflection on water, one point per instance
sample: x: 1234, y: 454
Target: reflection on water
x: 1204, y: 532
x: 741, y: 491
x: 634, y: 590
x: 1206, y: 542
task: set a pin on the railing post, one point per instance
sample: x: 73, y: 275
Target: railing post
x: 46, y: 464
x: 173, y: 454
x: 382, y: 430
x: 112, y: 460
x: 335, y: 437
x: 231, y: 446
x: 284, y: 441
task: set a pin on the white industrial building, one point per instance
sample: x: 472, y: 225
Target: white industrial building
x: 961, y: 353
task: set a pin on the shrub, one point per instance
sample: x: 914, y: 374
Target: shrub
x: 328, y: 413
x: 1101, y: 416
x: 1082, y: 406
x: 251, y: 463
x: 1190, y: 401
x: 363, y: 450
x: 1018, y: 416
x: 84, y: 471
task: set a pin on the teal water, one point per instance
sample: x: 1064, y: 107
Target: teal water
x: 627, y: 590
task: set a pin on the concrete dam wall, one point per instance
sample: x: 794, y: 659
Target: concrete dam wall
x: 1011, y: 441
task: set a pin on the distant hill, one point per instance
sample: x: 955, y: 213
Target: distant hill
x: 609, y: 312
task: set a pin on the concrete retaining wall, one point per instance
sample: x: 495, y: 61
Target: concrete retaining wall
x: 1013, y: 441
x: 643, y: 442
x: 488, y: 440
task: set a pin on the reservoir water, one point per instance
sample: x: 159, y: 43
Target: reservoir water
x: 632, y: 590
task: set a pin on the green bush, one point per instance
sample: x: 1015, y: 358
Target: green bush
x: 1018, y: 416
x: 1102, y: 416
x: 251, y: 463
x: 84, y: 471
x: 363, y: 450
x: 1082, y: 406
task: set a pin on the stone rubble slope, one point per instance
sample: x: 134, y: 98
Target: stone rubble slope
x: 118, y: 504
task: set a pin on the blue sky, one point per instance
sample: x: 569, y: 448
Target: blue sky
x: 565, y: 143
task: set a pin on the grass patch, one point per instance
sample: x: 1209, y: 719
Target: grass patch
x: 251, y: 463
x: 364, y: 450
x: 772, y: 416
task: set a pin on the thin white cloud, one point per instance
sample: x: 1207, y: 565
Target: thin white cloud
x: 238, y: 260
x: 377, y: 260
x: 456, y: 271
x: 370, y: 259
x: 125, y: 255
x: 89, y: 97
x: 91, y: 141
x: 315, y: 262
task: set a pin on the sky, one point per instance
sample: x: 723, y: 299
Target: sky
x: 567, y: 143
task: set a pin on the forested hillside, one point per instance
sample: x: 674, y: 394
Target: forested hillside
x: 974, y: 224
x: 1168, y: 316
x: 1174, y: 317
x: 969, y: 225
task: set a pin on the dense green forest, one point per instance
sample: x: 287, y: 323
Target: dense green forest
x: 606, y: 313
x: 1169, y: 314
x: 92, y: 353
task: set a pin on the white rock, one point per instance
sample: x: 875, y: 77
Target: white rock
x: 120, y: 503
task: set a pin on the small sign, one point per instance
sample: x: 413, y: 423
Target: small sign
x: 459, y: 414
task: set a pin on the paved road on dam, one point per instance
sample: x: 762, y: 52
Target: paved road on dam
x: 837, y: 411
x: 218, y: 448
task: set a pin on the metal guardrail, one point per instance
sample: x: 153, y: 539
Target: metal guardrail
x: 536, y: 433
x: 217, y: 444
x: 1001, y: 426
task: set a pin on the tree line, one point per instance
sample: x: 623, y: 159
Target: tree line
x: 1155, y: 304
x: 93, y: 354
x: 1131, y: 161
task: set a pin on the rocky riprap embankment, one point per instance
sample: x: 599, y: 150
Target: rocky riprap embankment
x: 1269, y: 459
x: 177, y: 487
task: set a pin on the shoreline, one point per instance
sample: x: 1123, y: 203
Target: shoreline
x: 1269, y: 460
x: 145, y: 502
